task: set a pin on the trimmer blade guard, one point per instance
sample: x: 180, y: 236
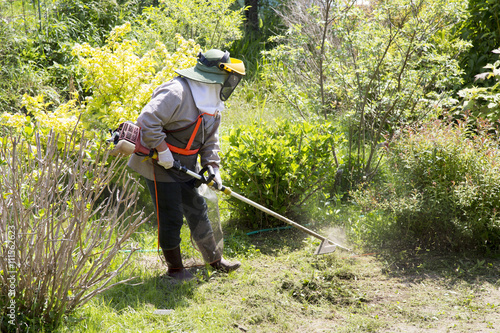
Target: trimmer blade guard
x: 326, y: 247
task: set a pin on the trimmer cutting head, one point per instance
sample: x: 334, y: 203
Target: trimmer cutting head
x: 326, y: 247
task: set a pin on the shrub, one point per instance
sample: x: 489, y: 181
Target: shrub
x: 374, y: 67
x: 445, y: 187
x: 481, y: 26
x: 121, y: 81
x: 62, y: 227
x: 279, y: 167
x: 484, y: 102
x: 215, y: 25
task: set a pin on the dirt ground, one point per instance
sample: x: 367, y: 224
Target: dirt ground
x: 431, y: 294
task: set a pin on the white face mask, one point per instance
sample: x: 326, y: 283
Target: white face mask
x: 206, y: 96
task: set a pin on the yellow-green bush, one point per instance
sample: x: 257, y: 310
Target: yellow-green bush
x: 119, y: 81
x: 122, y: 82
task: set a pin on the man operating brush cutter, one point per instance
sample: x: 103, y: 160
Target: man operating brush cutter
x: 181, y: 123
x: 177, y: 126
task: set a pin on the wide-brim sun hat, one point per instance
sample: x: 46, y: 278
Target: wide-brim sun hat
x: 213, y: 67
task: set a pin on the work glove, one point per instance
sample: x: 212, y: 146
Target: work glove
x: 217, y: 179
x: 165, y: 159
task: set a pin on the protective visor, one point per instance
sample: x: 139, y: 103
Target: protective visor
x: 236, y: 70
x: 229, y: 85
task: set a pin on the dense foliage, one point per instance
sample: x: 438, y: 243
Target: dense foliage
x: 444, y: 187
x: 280, y: 167
x: 214, y: 25
x: 481, y: 27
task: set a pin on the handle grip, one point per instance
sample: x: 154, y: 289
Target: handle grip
x: 205, y: 179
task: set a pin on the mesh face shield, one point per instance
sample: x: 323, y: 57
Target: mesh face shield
x: 229, y: 85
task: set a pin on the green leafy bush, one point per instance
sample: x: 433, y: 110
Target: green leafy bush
x: 481, y: 27
x: 280, y: 167
x: 444, y: 189
x: 213, y: 25
x: 484, y: 102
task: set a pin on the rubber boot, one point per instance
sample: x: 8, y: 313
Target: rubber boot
x: 176, y: 269
x: 212, y: 255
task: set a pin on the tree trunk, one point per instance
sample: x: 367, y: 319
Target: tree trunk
x: 252, y: 16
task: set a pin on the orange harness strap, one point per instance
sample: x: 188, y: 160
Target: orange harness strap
x: 188, y: 150
x: 181, y: 150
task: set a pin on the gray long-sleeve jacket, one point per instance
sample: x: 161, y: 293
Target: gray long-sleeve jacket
x: 172, y: 109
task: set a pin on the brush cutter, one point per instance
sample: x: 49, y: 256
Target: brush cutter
x: 326, y: 246
x: 127, y: 141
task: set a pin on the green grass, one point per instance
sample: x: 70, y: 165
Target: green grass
x: 283, y: 287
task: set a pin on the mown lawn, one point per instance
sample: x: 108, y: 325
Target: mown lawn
x: 283, y: 287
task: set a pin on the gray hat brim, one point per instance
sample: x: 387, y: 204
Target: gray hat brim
x: 203, y: 74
